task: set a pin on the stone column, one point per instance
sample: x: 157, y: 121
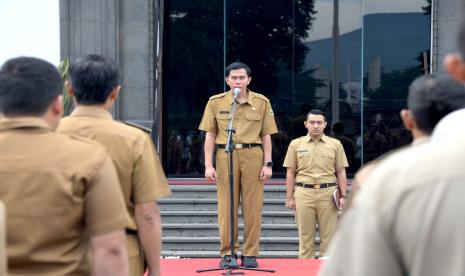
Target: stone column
x: 447, y: 16
x: 122, y: 30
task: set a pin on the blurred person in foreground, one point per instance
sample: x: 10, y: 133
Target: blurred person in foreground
x: 409, y: 203
x: 95, y: 85
x: 61, y: 192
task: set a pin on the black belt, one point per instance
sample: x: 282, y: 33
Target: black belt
x: 131, y: 232
x: 241, y: 146
x: 315, y: 186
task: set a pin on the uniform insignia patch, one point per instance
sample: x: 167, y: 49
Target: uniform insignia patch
x: 144, y: 129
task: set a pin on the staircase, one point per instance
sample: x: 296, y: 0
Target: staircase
x: 190, y: 227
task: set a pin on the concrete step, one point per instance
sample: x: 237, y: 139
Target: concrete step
x: 210, y: 204
x: 215, y: 254
x: 178, y: 216
x: 209, y: 191
x: 211, y: 229
x: 212, y: 243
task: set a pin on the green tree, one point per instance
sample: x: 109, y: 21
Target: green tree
x: 63, y: 68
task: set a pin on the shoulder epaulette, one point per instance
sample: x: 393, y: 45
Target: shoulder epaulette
x: 144, y: 129
x: 218, y: 96
x: 260, y: 96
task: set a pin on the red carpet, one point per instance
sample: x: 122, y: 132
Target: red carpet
x: 283, y: 267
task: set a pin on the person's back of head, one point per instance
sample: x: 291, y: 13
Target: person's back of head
x: 93, y: 78
x: 338, y: 128
x: 28, y: 86
x: 432, y: 97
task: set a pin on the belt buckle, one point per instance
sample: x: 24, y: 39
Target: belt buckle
x: 238, y: 146
x: 316, y: 186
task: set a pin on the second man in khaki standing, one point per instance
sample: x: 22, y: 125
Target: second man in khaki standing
x: 315, y: 166
x: 95, y: 85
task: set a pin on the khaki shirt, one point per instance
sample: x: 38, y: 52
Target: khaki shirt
x: 139, y: 170
x: 253, y: 119
x: 408, y: 217
x: 55, y: 188
x: 315, y: 161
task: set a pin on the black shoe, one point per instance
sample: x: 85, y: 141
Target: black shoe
x: 225, y: 261
x: 249, y: 261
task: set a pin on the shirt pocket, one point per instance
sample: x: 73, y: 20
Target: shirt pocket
x: 327, y: 160
x: 303, y: 158
x: 222, y: 119
x: 253, y: 116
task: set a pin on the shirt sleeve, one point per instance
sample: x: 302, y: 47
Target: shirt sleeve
x: 149, y: 180
x: 290, y: 161
x: 269, y: 124
x: 105, y: 208
x: 208, y: 122
x: 341, y: 158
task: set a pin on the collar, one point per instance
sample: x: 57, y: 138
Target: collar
x: 421, y: 140
x: 250, y: 96
x: 323, y: 138
x: 23, y: 122
x: 92, y: 111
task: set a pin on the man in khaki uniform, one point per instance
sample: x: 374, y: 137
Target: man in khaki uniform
x: 254, y: 123
x: 58, y: 190
x: 94, y: 84
x: 314, y: 162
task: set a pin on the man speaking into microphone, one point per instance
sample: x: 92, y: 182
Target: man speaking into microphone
x: 252, y: 164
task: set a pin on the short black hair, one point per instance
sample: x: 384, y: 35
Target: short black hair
x: 432, y: 97
x: 93, y: 77
x: 316, y: 112
x: 28, y: 86
x: 338, y: 128
x: 235, y: 66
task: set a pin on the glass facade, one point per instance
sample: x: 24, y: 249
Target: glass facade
x: 356, y: 67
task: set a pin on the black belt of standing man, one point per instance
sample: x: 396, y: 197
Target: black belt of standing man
x: 241, y: 146
x: 131, y: 232
x: 315, y: 186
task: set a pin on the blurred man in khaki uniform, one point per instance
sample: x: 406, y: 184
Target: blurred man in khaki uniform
x: 254, y: 123
x: 314, y: 162
x: 58, y: 190
x: 95, y: 85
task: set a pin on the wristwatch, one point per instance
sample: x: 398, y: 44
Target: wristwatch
x: 269, y: 164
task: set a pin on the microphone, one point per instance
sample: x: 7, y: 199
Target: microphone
x: 236, y: 92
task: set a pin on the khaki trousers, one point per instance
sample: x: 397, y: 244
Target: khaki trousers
x: 314, y: 206
x: 136, y: 256
x: 247, y: 165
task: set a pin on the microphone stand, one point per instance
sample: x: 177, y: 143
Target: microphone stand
x: 229, y: 148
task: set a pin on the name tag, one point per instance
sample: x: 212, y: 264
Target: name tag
x: 224, y: 112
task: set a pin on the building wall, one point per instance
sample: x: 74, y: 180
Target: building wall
x: 447, y: 15
x: 122, y: 30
